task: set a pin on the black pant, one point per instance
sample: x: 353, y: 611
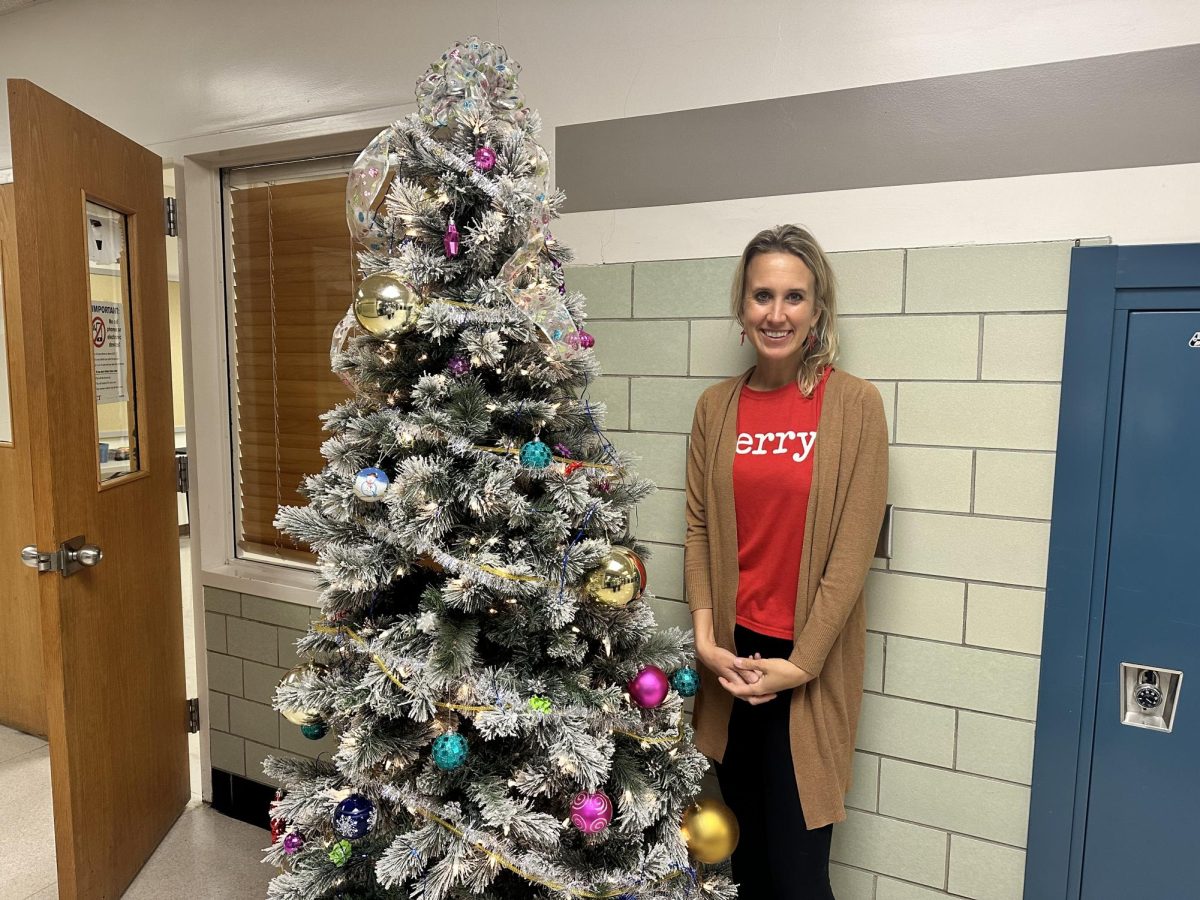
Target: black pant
x: 777, y: 857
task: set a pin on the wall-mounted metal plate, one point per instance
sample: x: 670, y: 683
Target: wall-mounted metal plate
x: 1149, y: 696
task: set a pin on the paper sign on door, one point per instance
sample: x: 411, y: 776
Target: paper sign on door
x: 108, y: 352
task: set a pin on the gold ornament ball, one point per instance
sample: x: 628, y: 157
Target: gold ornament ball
x: 710, y: 830
x: 618, y: 580
x: 384, y: 303
x: 299, y: 716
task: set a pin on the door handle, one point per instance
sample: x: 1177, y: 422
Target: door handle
x: 69, y: 558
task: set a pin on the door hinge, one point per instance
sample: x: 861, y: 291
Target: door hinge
x: 193, y: 706
x: 170, y: 217
x: 182, y: 477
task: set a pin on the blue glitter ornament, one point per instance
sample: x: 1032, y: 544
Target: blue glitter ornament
x: 686, y: 681
x: 535, y: 454
x: 354, y: 817
x: 449, y: 751
x: 314, y: 731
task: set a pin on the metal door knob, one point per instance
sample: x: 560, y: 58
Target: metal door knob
x: 87, y: 555
x: 69, y: 558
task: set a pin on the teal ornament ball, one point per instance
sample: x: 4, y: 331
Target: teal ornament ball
x: 449, y: 751
x: 686, y: 681
x: 314, y: 731
x: 535, y: 455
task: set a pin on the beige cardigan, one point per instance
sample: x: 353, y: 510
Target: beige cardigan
x: 845, y: 511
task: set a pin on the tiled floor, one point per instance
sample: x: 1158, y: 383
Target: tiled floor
x: 26, y: 818
x: 207, y: 856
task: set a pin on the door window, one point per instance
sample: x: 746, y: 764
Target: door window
x: 6, y: 434
x: 110, y: 324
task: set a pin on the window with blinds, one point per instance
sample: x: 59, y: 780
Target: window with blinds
x: 290, y: 276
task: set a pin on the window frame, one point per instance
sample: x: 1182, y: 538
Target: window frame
x: 198, y: 164
x: 241, y: 177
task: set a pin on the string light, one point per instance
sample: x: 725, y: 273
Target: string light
x: 645, y: 739
x: 529, y: 876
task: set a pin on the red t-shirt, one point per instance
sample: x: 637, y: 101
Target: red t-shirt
x: 772, y: 478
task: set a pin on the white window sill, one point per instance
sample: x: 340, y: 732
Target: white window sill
x: 289, y: 585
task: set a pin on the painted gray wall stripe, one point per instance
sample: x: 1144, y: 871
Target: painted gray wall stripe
x: 1108, y: 112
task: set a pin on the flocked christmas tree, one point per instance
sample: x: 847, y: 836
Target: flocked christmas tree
x: 509, y: 720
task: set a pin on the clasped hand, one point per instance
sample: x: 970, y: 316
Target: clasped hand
x: 753, y: 679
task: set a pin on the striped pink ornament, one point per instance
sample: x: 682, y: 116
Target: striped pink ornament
x: 591, y: 812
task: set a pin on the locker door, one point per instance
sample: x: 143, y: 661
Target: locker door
x: 1143, y: 812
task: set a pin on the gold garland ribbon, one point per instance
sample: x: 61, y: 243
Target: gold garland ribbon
x: 656, y: 739
x: 511, y: 576
x: 529, y: 876
x: 460, y: 707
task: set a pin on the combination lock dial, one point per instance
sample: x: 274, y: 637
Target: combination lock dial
x: 1148, y: 696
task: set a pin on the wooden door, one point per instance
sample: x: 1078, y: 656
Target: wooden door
x: 22, y: 682
x: 112, y: 633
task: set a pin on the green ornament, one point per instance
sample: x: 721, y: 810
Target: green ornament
x: 535, y: 454
x: 450, y: 751
x: 686, y: 681
x: 541, y: 704
x: 341, y: 853
x: 315, y: 731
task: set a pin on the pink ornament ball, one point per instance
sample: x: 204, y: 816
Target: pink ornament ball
x: 485, y: 158
x: 649, y: 687
x: 591, y: 812
x: 586, y: 341
x: 292, y: 843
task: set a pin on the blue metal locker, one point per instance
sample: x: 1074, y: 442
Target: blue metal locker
x: 1115, y: 810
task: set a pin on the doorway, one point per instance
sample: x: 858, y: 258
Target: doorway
x: 91, y: 513
x: 25, y: 791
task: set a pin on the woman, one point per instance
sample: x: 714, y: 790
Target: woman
x: 786, y: 488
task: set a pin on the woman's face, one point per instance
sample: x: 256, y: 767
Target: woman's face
x: 778, y: 307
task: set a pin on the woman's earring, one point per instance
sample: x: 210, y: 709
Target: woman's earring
x: 743, y: 340
x: 810, y: 341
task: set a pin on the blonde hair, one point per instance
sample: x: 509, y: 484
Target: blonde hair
x: 799, y: 243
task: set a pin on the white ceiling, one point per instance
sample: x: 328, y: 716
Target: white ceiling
x: 179, y: 70
x: 7, y: 6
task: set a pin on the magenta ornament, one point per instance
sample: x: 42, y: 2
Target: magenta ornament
x: 292, y: 843
x: 459, y: 365
x: 450, y: 241
x: 649, y: 687
x: 586, y: 341
x: 591, y: 812
x: 485, y: 158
